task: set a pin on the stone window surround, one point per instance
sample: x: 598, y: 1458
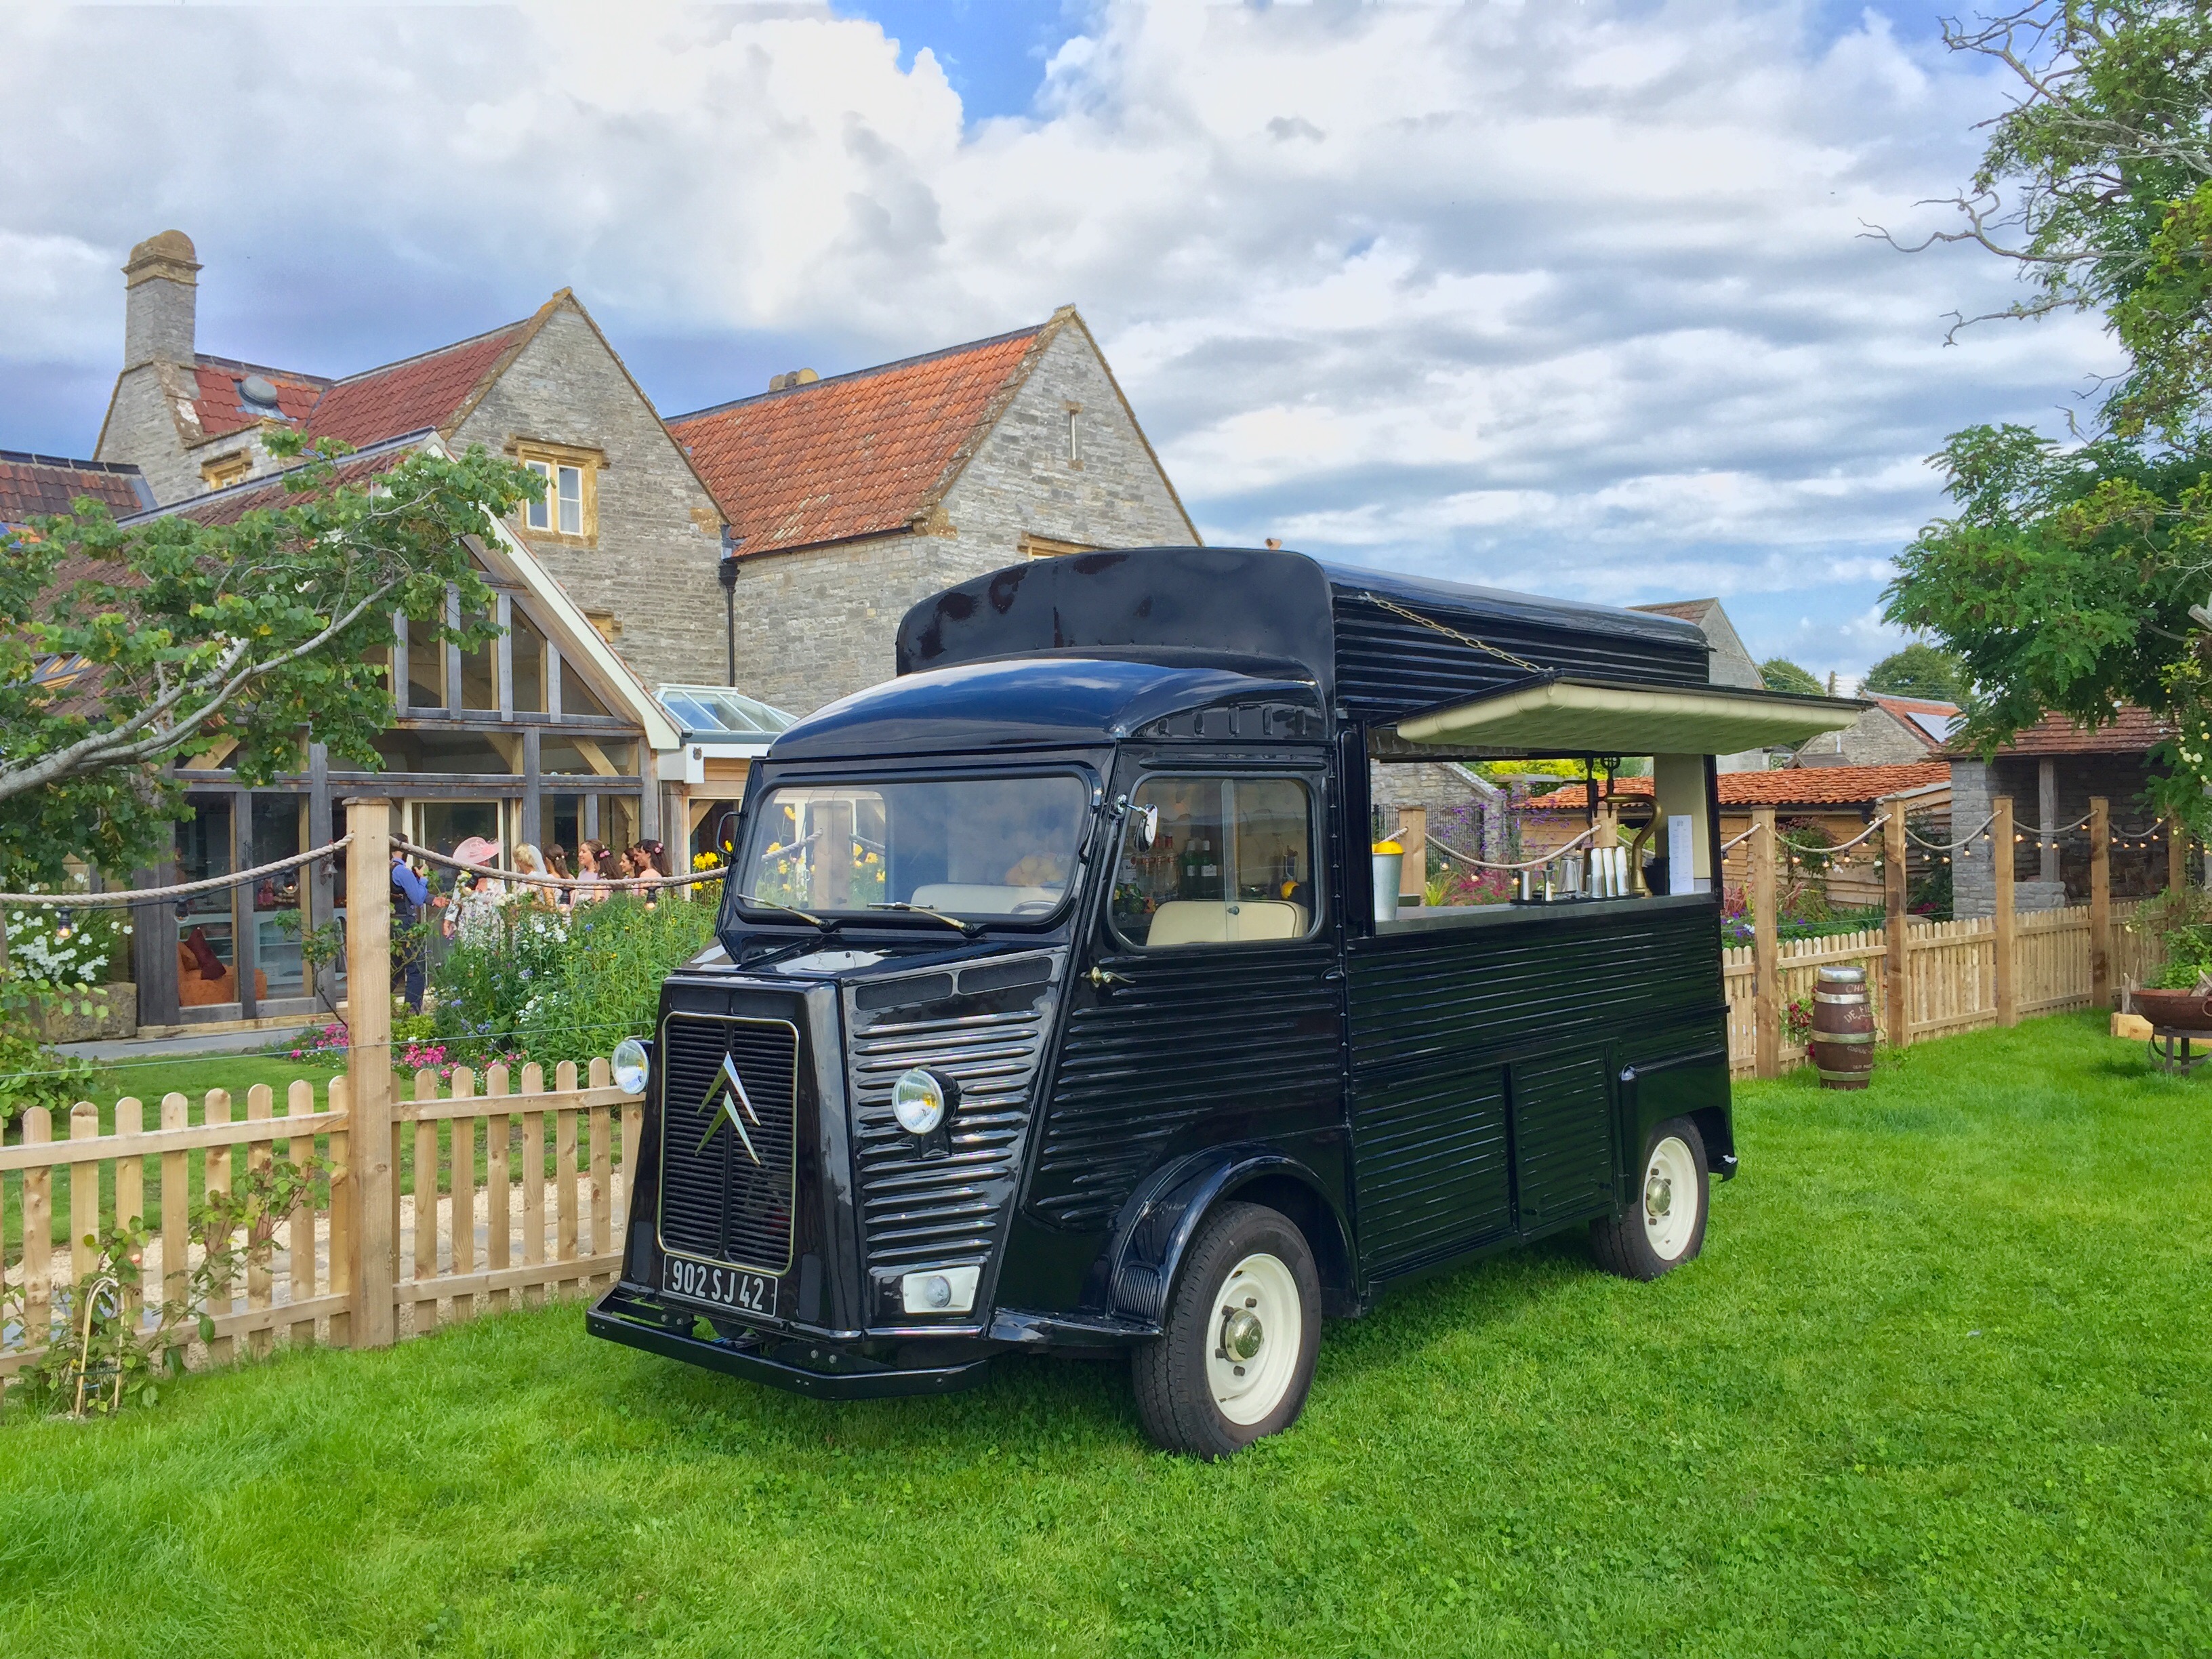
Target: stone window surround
x: 548, y: 458
x: 234, y: 467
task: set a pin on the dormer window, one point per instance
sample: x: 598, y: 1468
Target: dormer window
x: 227, y: 470
x: 569, y: 507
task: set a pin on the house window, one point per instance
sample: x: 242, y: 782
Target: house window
x: 1074, y: 436
x: 570, y: 507
x: 227, y: 470
x: 1035, y: 546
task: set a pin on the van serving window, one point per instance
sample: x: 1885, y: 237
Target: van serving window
x: 1215, y: 861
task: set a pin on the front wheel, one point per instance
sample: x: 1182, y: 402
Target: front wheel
x: 1665, y: 1226
x: 1234, y: 1356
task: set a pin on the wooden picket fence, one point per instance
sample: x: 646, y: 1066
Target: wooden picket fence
x: 1950, y: 975
x: 500, y: 1197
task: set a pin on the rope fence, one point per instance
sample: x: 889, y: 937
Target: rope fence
x: 624, y: 884
x: 181, y: 890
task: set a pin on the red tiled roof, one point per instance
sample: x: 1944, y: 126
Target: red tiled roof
x: 2132, y: 730
x: 1914, y: 705
x: 32, y: 486
x: 228, y: 506
x: 1809, y: 786
x: 362, y: 409
x: 854, y: 455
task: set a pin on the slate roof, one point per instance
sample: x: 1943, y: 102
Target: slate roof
x: 1810, y: 785
x: 33, y: 486
x: 856, y: 455
x: 432, y: 390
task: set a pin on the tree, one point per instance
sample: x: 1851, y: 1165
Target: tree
x: 1783, y: 675
x: 2073, y: 578
x: 163, y: 640
x: 1917, y: 670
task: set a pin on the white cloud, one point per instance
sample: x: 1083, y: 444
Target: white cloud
x: 1572, y: 296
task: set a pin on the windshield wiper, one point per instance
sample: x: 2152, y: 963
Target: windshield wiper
x: 829, y: 925
x: 967, y: 929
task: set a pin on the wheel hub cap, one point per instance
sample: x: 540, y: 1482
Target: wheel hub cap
x: 1658, y: 1196
x: 1241, y: 1334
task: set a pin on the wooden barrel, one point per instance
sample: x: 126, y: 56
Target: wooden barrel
x: 1843, y: 1028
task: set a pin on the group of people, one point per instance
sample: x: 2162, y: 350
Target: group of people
x: 599, y: 872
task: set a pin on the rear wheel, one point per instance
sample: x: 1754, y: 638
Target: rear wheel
x: 1234, y: 1356
x: 1665, y: 1226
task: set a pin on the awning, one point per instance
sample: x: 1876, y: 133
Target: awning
x: 1557, y: 714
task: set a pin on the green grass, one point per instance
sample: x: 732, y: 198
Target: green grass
x: 1938, y: 1386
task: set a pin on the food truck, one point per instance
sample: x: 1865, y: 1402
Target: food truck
x: 1056, y: 1004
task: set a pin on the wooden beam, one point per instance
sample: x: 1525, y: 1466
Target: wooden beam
x: 2002, y: 847
x: 1766, y: 953
x: 2100, y: 904
x: 368, y: 1066
x: 1897, y: 1000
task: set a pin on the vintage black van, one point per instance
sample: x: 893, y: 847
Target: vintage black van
x: 1051, y: 1009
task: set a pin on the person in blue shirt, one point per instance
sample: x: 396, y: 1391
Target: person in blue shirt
x: 411, y: 895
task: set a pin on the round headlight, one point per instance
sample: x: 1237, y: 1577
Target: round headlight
x: 633, y: 1065
x: 918, y: 1101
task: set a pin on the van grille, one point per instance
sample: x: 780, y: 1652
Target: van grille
x: 717, y: 1203
x: 941, y: 1211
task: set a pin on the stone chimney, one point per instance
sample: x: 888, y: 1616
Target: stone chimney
x: 160, y: 294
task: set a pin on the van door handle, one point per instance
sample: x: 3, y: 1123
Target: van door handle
x: 1106, y: 979
x: 1331, y: 976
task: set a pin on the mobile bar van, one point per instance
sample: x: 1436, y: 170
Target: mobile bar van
x: 1054, y: 1006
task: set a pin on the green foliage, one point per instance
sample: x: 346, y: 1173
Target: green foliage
x: 561, y: 987
x: 160, y: 641
x: 1918, y: 671
x: 1936, y: 1385
x: 1781, y: 674
x: 34, y: 1074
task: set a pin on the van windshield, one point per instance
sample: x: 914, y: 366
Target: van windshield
x: 972, y: 848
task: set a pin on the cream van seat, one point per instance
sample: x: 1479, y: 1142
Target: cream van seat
x: 975, y: 899
x: 1199, y: 921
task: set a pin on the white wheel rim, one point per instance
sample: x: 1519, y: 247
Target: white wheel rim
x: 1670, y: 1198
x: 1254, y: 1333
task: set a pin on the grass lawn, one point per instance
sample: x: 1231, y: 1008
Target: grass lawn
x: 1940, y: 1384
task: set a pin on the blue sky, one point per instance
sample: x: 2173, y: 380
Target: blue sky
x: 1569, y: 297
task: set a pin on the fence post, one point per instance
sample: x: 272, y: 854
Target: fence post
x: 1766, y: 956
x: 2002, y: 849
x: 2177, y: 856
x: 2100, y: 903
x: 1894, y: 870
x: 368, y: 1066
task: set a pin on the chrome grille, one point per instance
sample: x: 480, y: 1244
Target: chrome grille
x: 717, y: 1203
x: 943, y: 1211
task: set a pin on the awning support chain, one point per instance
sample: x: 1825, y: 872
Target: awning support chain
x: 1452, y: 633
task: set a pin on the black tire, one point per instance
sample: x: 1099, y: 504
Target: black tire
x: 1175, y: 1384
x: 1630, y: 1244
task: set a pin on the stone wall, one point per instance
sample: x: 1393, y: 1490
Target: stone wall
x: 141, y: 429
x: 818, y: 623
x: 2137, y: 871
x: 660, y: 535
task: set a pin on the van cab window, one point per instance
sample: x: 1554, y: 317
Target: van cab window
x: 968, y: 847
x: 1212, y: 860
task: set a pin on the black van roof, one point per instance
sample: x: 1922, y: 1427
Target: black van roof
x: 1380, y: 645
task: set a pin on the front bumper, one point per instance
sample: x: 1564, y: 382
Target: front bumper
x: 820, y: 1370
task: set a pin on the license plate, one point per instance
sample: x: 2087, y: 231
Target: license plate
x: 733, y: 1288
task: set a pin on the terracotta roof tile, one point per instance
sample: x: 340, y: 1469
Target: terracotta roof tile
x: 853, y: 455
x: 362, y: 409
x: 1807, y: 785
x: 222, y: 506
x: 32, y: 486
x: 2131, y: 732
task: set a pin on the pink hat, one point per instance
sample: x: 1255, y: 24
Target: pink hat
x: 476, y: 850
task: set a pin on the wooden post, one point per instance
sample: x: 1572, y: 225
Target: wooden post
x: 368, y: 1067
x: 300, y: 1228
x: 1413, y: 872
x: 38, y: 1230
x: 2100, y: 904
x: 1897, y: 1000
x: 130, y: 1185
x: 176, y: 1204
x: 2002, y: 850
x: 1766, y: 953
x: 84, y: 1194
x: 2177, y: 856
x: 214, y: 1177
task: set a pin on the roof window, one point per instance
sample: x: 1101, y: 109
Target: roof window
x: 257, y: 395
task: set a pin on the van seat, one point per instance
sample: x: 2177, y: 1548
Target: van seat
x: 1203, y: 921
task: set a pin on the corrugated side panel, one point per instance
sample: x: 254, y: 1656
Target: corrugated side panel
x: 1432, y: 1172
x: 1451, y: 1028
x: 941, y: 1211
x: 1387, y: 666
x: 719, y: 1204
x: 1562, y: 1137
x: 1241, y: 1037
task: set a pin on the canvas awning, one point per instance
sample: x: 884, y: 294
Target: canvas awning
x: 1560, y: 714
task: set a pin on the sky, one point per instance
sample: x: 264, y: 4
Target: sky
x: 1571, y: 297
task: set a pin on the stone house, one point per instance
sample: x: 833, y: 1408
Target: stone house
x: 2050, y: 771
x: 627, y: 527
x: 851, y: 496
x: 1732, y: 662
x: 1895, y: 732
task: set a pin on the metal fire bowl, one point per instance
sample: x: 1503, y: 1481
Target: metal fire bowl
x: 2178, y: 1011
